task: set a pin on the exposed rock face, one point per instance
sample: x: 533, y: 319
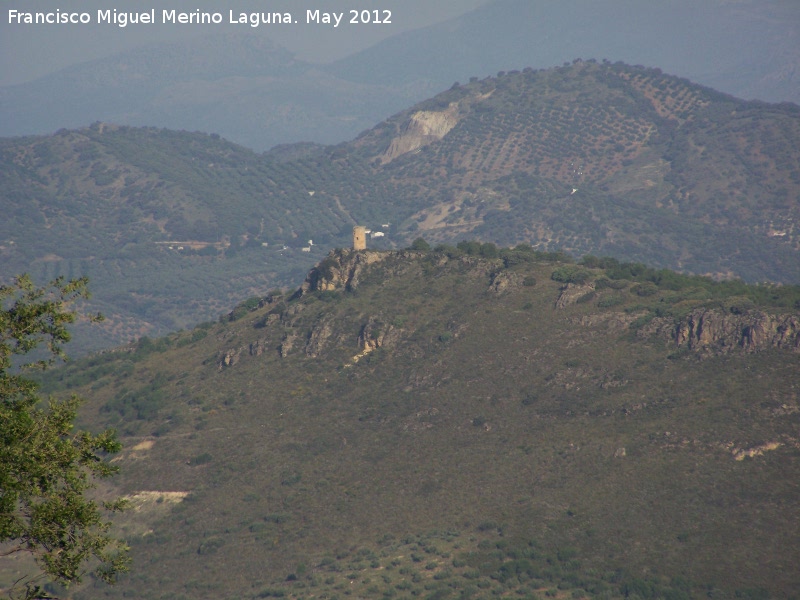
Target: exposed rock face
x: 376, y: 334
x: 289, y: 316
x: 572, y: 292
x: 718, y: 332
x: 752, y: 331
x: 270, y: 319
x: 423, y: 128
x: 229, y: 358
x: 343, y: 269
x: 753, y: 452
x: 287, y: 344
x: 340, y: 270
x: 258, y: 347
x: 318, y: 338
x: 505, y: 281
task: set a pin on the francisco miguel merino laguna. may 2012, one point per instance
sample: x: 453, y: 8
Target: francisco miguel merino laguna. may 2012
x: 196, y: 17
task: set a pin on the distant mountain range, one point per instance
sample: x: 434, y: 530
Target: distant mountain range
x: 257, y: 94
x: 747, y: 48
x: 593, y: 157
x: 239, y: 85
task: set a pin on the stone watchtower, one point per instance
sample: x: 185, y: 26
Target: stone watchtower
x: 359, y: 238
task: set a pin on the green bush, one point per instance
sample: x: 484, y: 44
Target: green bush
x: 449, y: 251
x: 644, y: 289
x: 241, y: 309
x: 143, y: 405
x: 470, y: 248
x: 488, y: 250
x: 609, y: 302
x: 420, y: 245
x: 571, y: 274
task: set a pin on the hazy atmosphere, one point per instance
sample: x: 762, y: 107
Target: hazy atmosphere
x: 313, y: 80
x: 32, y: 51
x: 401, y: 299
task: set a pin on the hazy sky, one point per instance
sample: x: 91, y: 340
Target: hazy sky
x: 30, y: 51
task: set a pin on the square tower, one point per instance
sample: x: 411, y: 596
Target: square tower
x: 359, y: 238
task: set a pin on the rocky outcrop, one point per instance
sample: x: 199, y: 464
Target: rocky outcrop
x: 573, y: 292
x: 290, y: 315
x: 505, y: 281
x: 287, y: 344
x: 714, y: 331
x: 739, y: 454
x: 258, y: 347
x: 318, y: 338
x: 229, y: 358
x: 376, y: 334
x: 342, y: 270
x: 751, y: 331
x: 269, y: 319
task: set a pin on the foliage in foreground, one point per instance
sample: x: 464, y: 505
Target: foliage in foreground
x: 47, y: 468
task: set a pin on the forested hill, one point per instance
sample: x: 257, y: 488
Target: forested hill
x: 606, y: 158
x: 590, y: 157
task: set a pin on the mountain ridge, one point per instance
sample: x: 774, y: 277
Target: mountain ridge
x: 590, y: 158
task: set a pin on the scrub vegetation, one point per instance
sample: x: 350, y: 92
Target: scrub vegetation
x: 461, y: 421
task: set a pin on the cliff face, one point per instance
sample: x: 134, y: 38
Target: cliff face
x: 423, y: 128
x: 340, y: 270
x: 573, y: 293
x: 343, y: 269
x: 714, y: 331
x: 704, y: 330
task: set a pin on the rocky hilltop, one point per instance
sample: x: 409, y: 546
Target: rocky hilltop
x: 310, y: 441
x: 342, y: 270
x: 718, y: 330
x: 707, y: 330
